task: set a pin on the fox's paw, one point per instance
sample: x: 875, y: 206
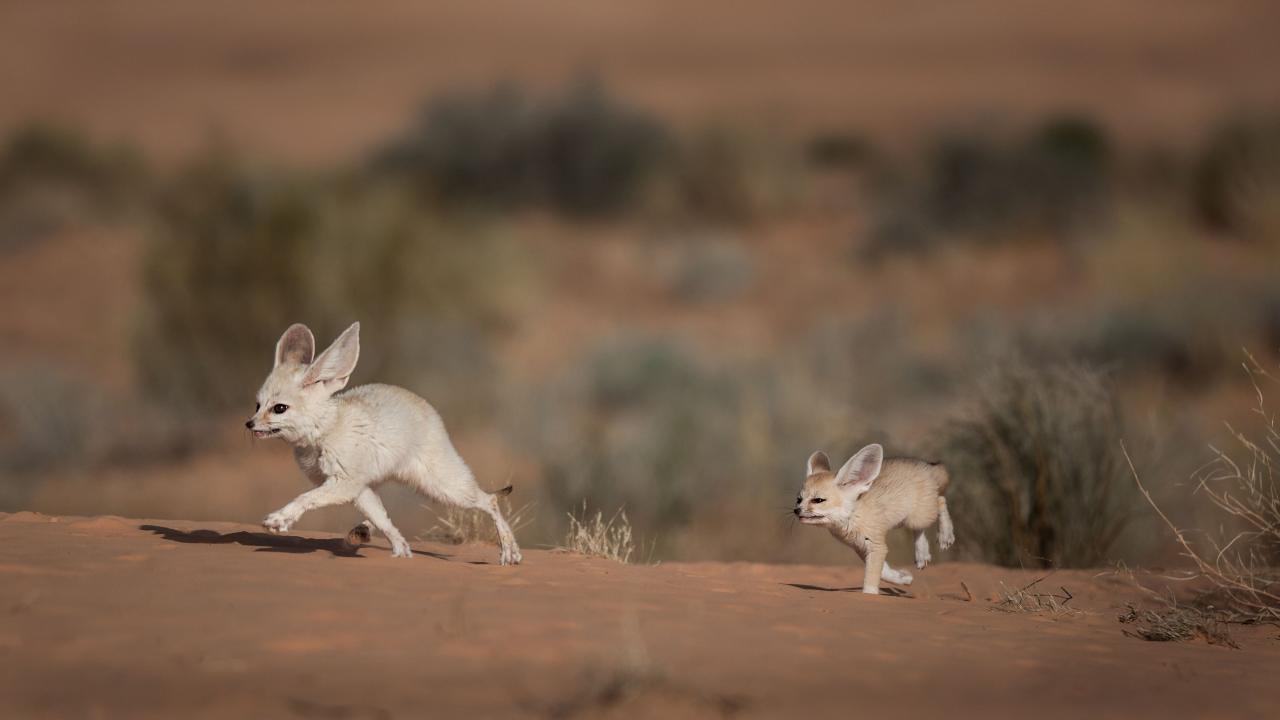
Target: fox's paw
x: 401, y: 549
x: 511, y: 556
x: 946, y: 537
x: 899, y: 577
x: 923, y: 556
x: 278, y: 522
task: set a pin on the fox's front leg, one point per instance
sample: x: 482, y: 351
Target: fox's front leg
x: 370, y: 505
x: 875, y: 556
x: 333, y: 491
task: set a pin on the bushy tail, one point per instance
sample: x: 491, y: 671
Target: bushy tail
x: 945, y: 480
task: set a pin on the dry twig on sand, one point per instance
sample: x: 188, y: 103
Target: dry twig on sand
x: 1026, y: 599
x: 1175, y: 623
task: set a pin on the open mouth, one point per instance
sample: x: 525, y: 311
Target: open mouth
x: 266, y: 433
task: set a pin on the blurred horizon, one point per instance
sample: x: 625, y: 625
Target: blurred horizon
x: 328, y: 84
x: 647, y: 258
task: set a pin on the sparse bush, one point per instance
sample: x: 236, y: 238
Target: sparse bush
x: 839, y: 151
x: 238, y: 256
x: 52, y: 419
x: 647, y: 428
x: 1236, y: 181
x: 52, y: 155
x: 45, y: 420
x: 682, y: 445
x: 1068, y: 166
x: 1038, y: 475
x: 978, y: 188
x: 581, y: 152
x: 51, y: 176
x: 734, y: 175
x: 1243, y: 483
x: 1173, y: 336
x: 594, y: 536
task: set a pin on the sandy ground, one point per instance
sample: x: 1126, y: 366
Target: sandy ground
x: 109, y: 617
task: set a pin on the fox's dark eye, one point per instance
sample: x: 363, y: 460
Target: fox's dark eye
x: 279, y: 408
x: 799, y: 500
x: 818, y: 500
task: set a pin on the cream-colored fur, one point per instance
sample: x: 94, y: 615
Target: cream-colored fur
x: 348, y: 442
x: 870, y: 496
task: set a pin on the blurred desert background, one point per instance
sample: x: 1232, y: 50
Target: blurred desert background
x: 645, y: 259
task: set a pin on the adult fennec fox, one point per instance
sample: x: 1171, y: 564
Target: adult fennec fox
x: 349, y: 441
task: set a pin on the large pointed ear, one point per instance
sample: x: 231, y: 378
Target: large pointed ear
x: 333, y: 368
x: 861, y: 470
x: 819, y: 462
x: 297, y: 344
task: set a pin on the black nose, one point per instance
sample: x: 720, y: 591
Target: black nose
x: 249, y: 423
x: 797, y: 511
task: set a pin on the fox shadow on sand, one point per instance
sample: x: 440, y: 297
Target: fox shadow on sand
x: 266, y: 542
x: 890, y: 591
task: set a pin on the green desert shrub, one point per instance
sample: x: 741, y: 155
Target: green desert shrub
x: 733, y: 174
x: 46, y: 419
x: 1038, y: 475
x: 838, y: 150
x: 237, y: 256
x: 1236, y: 181
x: 646, y: 426
x: 580, y: 151
x: 979, y: 187
x: 52, y: 176
x: 48, y: 154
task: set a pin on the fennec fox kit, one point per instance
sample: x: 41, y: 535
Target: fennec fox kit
x: 870, y: 496
x: 348, y: 442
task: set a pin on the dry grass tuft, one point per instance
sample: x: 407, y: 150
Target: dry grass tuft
x: 1243, y: 484
x: 594, y: 536
x: 1175, y: 623
x: 459, y: 526
x: 1027, y: 599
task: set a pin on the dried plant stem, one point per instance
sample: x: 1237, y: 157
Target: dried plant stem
x: 1242, y: 567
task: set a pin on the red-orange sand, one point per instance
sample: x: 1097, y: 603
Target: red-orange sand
x: 116, y: 618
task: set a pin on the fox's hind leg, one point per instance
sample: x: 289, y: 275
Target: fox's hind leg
x: 946, y: 531
x: 923, y: 557
x: 449, y: 480
x: 898, y: 577
x: 370, y: 505
x: 510, y: 550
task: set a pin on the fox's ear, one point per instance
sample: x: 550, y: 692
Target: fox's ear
x: 861, y: 470
x: 297, y: 344
x: 819, y: 462
x: 333, y: 368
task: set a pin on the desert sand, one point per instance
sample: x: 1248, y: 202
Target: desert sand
x: 110, y: 617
